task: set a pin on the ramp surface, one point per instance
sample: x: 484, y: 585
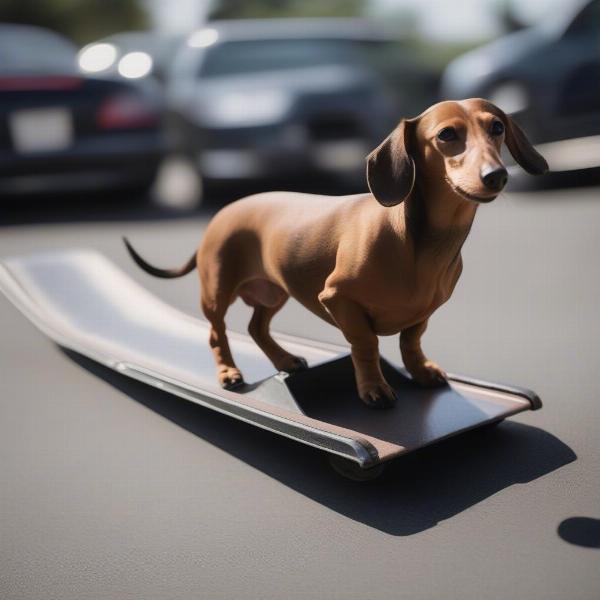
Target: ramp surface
x: 85, y: 303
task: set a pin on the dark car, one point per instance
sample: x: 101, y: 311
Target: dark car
x: 548, y: 77
x: 61, y: 131
x: 267, y: 99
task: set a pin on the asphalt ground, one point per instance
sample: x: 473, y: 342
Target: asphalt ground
x: 111, y: 489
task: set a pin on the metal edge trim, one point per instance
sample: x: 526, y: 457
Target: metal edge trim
x: 363, y: 452
x: 530, y: 395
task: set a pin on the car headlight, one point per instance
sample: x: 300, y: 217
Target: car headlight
x: 95, y: 58
x: 135, y: 65
x: 236, y: 109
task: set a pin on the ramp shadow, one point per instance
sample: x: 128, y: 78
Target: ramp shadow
x: 414, y: 494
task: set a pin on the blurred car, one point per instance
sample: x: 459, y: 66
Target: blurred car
x: 264, y: 99
x: 131, y: 54
x: 548, y: 77
x: 61, y: 131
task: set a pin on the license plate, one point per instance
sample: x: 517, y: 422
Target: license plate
x: 41, y: 130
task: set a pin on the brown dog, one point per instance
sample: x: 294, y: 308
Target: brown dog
x: 370, y: 264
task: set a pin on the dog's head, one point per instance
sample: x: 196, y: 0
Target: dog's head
x: 456, y: 144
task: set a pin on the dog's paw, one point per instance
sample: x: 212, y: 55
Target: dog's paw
x: 291, y: 364
x: 429, y: 374
x: 230, y: 378
x: 377, y: 394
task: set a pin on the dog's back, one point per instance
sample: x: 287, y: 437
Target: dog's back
x: 283, y: 236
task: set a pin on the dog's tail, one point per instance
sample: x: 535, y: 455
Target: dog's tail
x: 189, y: 266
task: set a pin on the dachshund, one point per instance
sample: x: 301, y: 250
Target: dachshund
x: 377, y: 263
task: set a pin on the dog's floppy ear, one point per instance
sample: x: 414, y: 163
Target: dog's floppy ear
x: 521, y: 149
x: 390, y: 168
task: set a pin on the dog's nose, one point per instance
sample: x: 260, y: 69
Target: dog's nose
x: 494, y: 178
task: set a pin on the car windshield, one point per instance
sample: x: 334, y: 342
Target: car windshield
x: 253, y: 56
x: 26, y: 51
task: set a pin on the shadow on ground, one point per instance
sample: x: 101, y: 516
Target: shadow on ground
x: 414, y: 494
x: 581, y: 531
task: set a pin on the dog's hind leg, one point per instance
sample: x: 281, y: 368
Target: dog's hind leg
x: 267, y: 298
x: 228, y: 374
x: 259, y: 330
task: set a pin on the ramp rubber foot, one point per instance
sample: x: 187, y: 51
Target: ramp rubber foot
x: 351, y: 470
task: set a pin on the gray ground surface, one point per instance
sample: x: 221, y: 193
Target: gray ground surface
x: 110, y: 489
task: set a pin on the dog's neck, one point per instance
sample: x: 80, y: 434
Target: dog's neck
x: 437, y: 221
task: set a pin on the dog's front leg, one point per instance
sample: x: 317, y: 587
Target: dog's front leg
x: 353, y: 321
x: 423, y: 370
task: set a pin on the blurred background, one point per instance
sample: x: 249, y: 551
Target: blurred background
x: 186, y: 103
x: 142, y: 118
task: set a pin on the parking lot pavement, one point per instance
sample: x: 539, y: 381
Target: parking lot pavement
x: 110, y: 489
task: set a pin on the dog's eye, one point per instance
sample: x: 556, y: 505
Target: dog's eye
x: 497, y: 128
x: 448, y: 134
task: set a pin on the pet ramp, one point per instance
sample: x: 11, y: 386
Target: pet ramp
x: 85, y: 303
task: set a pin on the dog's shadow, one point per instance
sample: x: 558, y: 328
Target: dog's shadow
x: 415, y: 493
